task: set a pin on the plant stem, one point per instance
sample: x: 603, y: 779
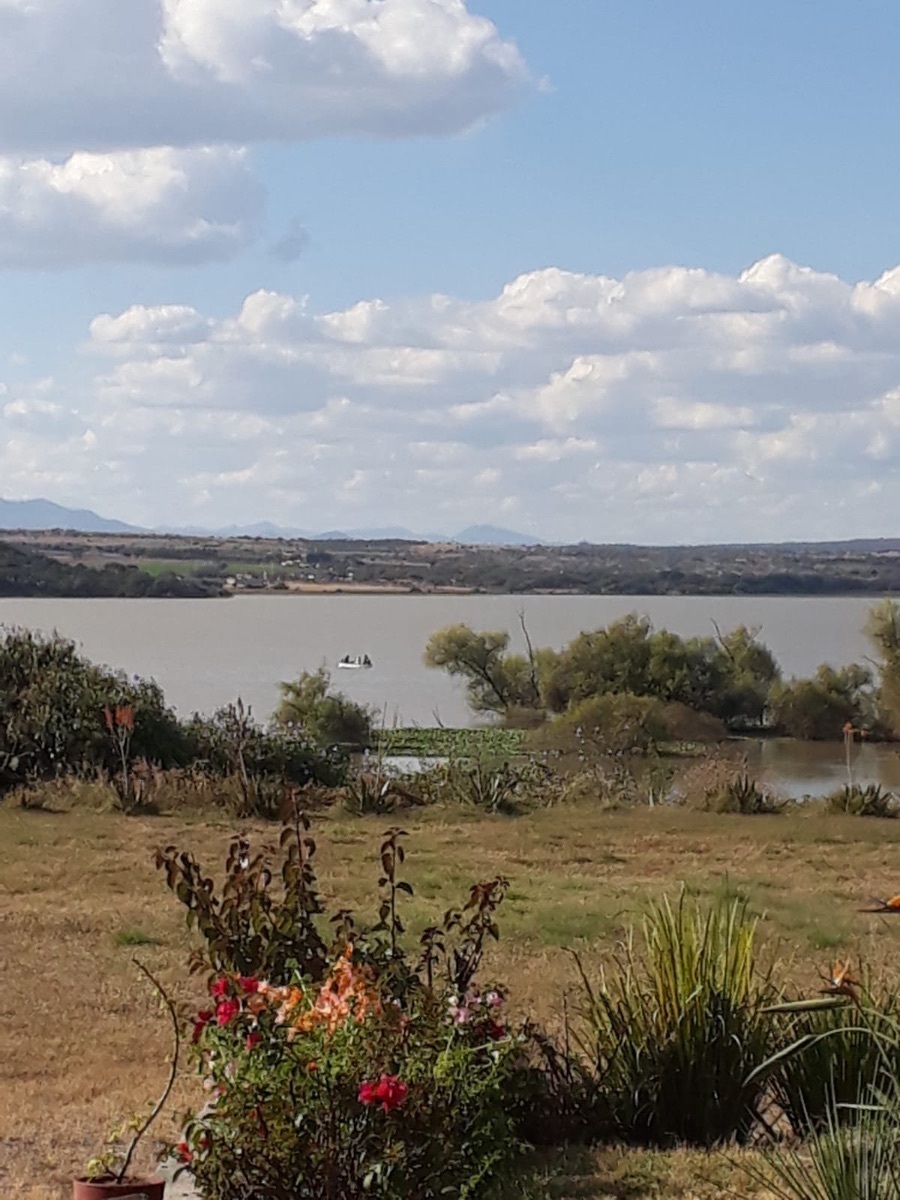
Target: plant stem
x: 160, y: 1104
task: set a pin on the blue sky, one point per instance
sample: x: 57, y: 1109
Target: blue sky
x: 580, y: 148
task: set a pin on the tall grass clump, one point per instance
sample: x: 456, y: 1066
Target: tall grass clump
x: 841, y: 1161
x: 676, y: 1029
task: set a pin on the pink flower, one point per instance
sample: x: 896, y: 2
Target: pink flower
x: 184, y: 1152
x: 253, y: 1040
x: 495, y: 1030
x: 219, y: 989
x: 389, y: 1092
x: 248, y: 984
x: 459, y: 1012
x: 226, y: 1011
x: 203, y: 1019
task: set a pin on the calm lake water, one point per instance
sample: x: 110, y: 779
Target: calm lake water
x: 205, y: 653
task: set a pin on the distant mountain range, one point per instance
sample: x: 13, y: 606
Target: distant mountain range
x: 44, y: 514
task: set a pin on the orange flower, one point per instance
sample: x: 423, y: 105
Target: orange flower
x: 884, y: 906
x: 348, y: 993
x: 840, y: 982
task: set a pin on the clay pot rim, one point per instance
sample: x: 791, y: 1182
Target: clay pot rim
x: 130, y: 1180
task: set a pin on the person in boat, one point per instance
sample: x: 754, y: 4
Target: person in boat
x: 366, y: 662
x: 346, y: 658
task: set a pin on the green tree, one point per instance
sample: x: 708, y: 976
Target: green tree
x: 496, y: 681
x: 817, y: 709
x: 611, y: 660
x: 752, y: 673
x: 327, y: 718
x: 883, y: 630
x: 728, y: 677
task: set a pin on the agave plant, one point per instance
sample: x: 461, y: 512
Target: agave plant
x: 858, y: 801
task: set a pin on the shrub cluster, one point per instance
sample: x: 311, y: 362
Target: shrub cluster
x: 342, y: 1065
x: 61, y: 714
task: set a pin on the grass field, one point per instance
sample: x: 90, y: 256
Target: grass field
x: 82, y: 1043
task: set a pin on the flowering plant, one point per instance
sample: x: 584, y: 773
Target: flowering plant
x: 375, y: 1076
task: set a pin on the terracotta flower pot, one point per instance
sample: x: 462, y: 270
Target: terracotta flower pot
x: 133, y: 1189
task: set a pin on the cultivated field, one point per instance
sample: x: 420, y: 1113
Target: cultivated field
x: 82, y: 1044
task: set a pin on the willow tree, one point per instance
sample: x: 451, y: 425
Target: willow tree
x: 496, y: 681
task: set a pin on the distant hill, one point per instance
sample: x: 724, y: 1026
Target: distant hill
x: 475, y: 535
x: 44, y: 514
x: 491, y: 535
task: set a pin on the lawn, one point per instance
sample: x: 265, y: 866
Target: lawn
x: 83, y: 1044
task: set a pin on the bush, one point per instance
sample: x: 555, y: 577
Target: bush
x: 817, y: 709
x: 52, y: 704
x: 675, y: 1032
x: 324, y: 717
x: 348, y: 1072
x: 859, y: 1162
x: 265, y: 763
x: 604, y: 726
x: 838, y: 1062
x: 720, y: 785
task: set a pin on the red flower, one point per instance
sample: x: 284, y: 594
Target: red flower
x: 184, y: 1152
x: 226, y: 1011
x: 248, y: 984
x: 495, y: 1030
x: 253, y: 1039
x: 219, y: 988
x: 203, y: 1019
x: 389, y: 1091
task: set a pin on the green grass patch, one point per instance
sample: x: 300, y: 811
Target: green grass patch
x: 135, y: 937
x: 165, y: 566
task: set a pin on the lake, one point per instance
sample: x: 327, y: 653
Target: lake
x: 205, y: 653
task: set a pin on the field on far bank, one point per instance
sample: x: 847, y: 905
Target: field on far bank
x: 83, y: 1044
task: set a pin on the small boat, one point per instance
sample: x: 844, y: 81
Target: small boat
x: 355, y: 664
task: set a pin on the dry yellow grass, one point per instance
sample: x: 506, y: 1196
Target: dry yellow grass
x: 82, y: 1043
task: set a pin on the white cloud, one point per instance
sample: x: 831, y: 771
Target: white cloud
x: 107, y: 75
x: 161, y: 206
x: 668, y: 405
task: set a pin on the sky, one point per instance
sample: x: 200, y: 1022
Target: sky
x: 609, y: 270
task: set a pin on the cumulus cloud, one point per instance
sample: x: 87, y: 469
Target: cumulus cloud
x: 106, y: 75
x: 162, y: 206
x: 667, y: 405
